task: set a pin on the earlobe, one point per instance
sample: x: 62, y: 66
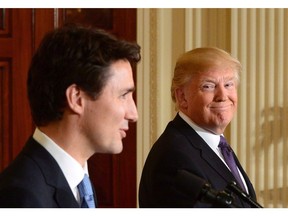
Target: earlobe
x: 74, y: 98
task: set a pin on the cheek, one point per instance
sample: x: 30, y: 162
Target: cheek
x: 203, y: 100
x: 235, y: 100
x: 235, y: 103
x: 115, y: 113
x: 97, y: 113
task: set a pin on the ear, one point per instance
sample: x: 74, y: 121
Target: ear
x: 74, y: 98
x: 181, y: 98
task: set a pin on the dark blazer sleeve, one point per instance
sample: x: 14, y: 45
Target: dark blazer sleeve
x: 180, y: 147
x: 34, y: 179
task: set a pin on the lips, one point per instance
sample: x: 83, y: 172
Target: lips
x: 221, y: 107
x: 123, y: 132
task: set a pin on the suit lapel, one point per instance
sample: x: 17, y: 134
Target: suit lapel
x: 246, y: 178
x: 205, y: 151
x: 64, y: 199
x: 209, y: 156
x: 52, y: 173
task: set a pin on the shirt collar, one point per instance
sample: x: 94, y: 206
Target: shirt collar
x: 72, y: 169
x: 212, y: 140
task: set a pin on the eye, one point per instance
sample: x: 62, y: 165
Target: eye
x: 208, y: 86
x: 126, y: 94
x: 229, y: 84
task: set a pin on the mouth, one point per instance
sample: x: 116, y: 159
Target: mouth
x: 123, y: 132
x: 221, y: 107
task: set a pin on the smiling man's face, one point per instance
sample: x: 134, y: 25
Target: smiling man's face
x: 210, y: 99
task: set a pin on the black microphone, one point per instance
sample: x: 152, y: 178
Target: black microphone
x: 243, y: 195
x: 199, y: 189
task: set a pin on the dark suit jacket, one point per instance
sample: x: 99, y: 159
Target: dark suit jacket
x: 180, y: 147
x: 34, y: 179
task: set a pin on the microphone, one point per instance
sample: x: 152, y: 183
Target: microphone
x: 234, y: 188
x: 198, y: 189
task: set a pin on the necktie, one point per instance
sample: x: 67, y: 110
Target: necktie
x: 227, y: 153
x: 86, y: 193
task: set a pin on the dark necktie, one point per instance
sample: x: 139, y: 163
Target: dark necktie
x: 227, y: 153
x: 86, y: 193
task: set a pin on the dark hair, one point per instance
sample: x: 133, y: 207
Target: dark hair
x: 69, y: 55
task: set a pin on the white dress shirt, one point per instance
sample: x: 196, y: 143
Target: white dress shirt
x: 72, y: 169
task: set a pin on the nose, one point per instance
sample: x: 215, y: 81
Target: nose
x: 220, y: 93
x: 132, y: 113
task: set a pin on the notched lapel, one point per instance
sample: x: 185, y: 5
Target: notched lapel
x: 207, y: 154
x: 217, y: 164
x: 64, y: 199
x: 53, y: 175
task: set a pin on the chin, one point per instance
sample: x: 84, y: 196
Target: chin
x: 117, y: 150
x: 113, y: 149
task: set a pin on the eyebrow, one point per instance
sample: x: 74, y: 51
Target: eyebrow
x: 215, y: 80
x: 132, y: 89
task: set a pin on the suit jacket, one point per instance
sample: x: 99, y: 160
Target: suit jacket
x: 180, y: 147
x: 34, y: 179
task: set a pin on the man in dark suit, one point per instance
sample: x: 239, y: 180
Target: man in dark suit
x: 204, y: 88
x: 80, y: 86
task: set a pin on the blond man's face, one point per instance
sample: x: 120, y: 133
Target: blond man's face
x: 210, y: 99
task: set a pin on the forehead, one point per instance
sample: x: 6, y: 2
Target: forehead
x: 121, y: 74
x: 216, y: 73
x: 212, y: 76
x: 121, y: 68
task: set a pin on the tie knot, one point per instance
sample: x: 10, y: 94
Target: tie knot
x: 224, y: 144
